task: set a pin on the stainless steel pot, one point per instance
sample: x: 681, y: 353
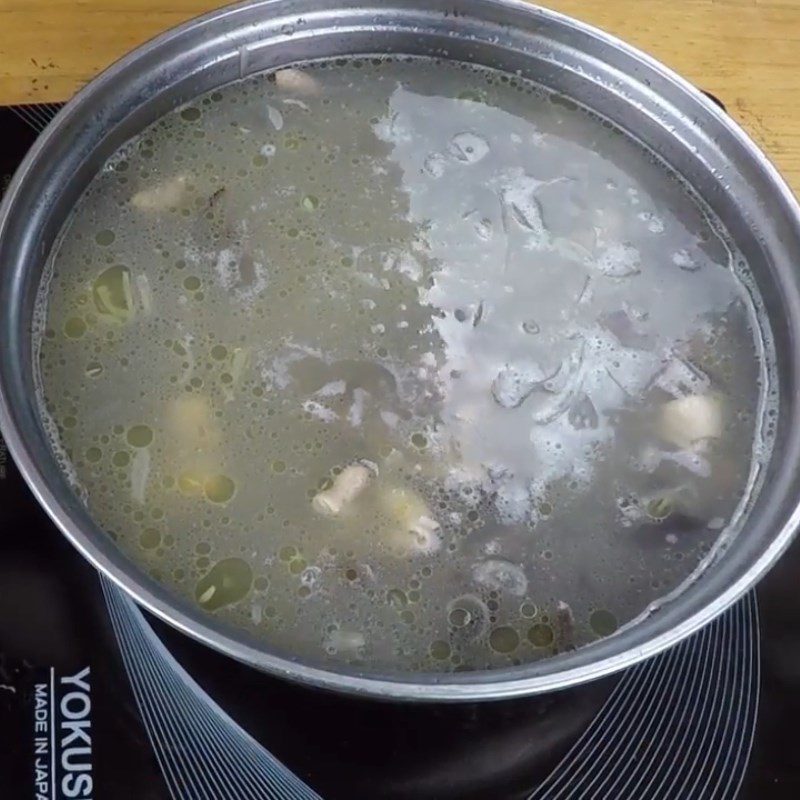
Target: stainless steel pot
x: 642, y: 96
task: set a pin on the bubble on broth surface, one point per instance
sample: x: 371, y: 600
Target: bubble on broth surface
x: 546, y: 350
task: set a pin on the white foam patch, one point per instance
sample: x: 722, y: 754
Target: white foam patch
x: 500, y: 575
x: 390, y: 418
x: 241, y: 275
x: 319, y: 411
x: 332, y: 389
x: 355, y: 415
x: 620, y: 261
x: 275, y: 117
x: 513, y: 502
x: 275, y: 369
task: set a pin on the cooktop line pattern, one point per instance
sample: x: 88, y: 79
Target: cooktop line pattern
x: 679, y: 727
x: 202, y: 752
x: 38, y: 116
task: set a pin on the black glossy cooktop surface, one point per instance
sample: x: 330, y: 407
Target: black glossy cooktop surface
x: 97, y: 700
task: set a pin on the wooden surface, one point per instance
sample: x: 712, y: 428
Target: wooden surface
x: 746, y: 52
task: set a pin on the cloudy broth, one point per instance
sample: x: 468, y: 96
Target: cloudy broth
x: 404, y: 363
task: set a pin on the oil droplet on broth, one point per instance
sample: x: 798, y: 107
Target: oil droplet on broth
x: 541, y: 635
x: 297, y: 566
x: 219, y: 489
x: 140, y: 436
x: 150, y: 538
x: 419, y: 441
x: 603, y: 622
x: 440, y: 650
x: 191, y: 114
x: 74, y: 328
x: 121, y: 458
x: 288, y: 553
x: 504, y: 639
x: 226, y: 583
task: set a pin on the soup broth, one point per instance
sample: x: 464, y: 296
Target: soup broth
x: 404, y: 363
